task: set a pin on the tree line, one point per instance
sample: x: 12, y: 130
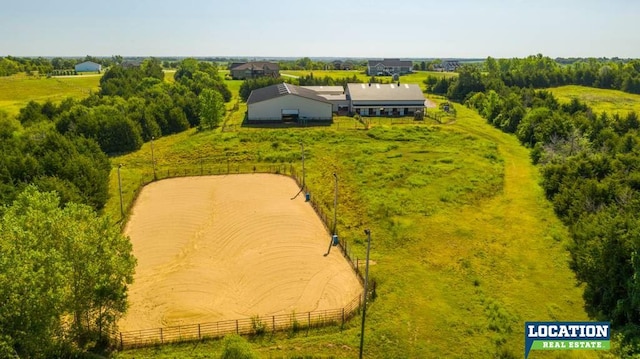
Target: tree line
x: 538, y: 72
x: 590, y: 164
x: 69, y: 268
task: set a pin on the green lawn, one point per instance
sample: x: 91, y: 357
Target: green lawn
x: 600, y: 100
x: 416, y: 77
x: 16, y: 91
x: 466, y: 247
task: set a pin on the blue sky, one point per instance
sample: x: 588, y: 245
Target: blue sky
x: 327, y: 28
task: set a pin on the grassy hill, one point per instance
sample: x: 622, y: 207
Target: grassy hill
x: 466, y: 248
x: 16, y: 91
x: 600, y: 100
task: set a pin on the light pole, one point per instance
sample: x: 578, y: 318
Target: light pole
x: 153, y: 161
x: 335, y: 216
x: 120, y: 190
x: 303, y: 174
x: 335, y: 204
x: 366, y: 282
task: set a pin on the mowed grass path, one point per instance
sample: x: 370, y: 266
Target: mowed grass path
x: 466, y: 248
x: 611, y: 101
x: 16, y: 91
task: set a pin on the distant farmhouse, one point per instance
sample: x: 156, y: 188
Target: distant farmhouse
x: 447, y: 66
x: 389, y: 67
x: 131, y: 64
x: 252, y: 70
x: 88, y: 66
x: 288, y: 103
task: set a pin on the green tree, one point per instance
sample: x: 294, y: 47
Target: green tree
x: 59, y: 264
x: 212, y: 109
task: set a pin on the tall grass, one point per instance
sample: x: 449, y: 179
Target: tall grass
x: 600, y: 100
x: 465, y: 246
x: 17, y: 90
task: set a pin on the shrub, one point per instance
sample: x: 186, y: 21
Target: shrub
x: 236, y: 347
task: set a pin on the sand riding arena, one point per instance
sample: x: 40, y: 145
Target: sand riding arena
x: 216, y: 248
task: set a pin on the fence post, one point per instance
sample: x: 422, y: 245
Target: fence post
x: 199, y: 336
x: 121, y: 342
x: 342, y: 325
x: 237, y: 329
x: 308, y: 322
x: 273, y: 325
x: 161, y: 339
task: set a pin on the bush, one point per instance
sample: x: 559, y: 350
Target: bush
x: 236, y: 347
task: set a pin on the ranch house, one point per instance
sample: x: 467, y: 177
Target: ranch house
x: 252, y: 70
x: 88, y: 66
x: 388, y: 67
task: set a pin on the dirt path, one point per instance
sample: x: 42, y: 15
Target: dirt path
x: 227, y: 247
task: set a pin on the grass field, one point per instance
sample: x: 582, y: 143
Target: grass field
x: 466, y: 247
x: 416, y: 77
x: 16, y: 91
x: 611, y: 101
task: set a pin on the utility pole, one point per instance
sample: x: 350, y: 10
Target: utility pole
x: 335, y: 215
x: 335, y: 204
x: 120, y: 189
x: 366, y: 288
x: 303, y: 174
x: 153, y: 161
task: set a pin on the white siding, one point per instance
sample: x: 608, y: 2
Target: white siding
x: 271, y: 110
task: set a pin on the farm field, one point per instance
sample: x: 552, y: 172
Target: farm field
x: 417, y: 77
x: 221, y: 247
x: 611, y: 101
x: 466, y: 246
x: 16, y: 91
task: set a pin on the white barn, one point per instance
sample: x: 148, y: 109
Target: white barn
x: 394, y: 99
x: 286, y: 102
x: 88, y: 66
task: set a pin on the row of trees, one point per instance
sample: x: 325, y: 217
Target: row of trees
x: 64, y: 270
x: 64, y: 274
x: 591, y: 172
x: 537, y: 72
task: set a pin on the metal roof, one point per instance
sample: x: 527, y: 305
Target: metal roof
x: 391, y: 62
x: 330, y: 90
x: 385, y: 92
x: 258, y: 65
x: 283, y: 89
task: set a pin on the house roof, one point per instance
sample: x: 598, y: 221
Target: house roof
x: 390, y: 62
x: 255, y: 65
x: 283, y: 89
x: 385, y: 92
x: 88, y: 63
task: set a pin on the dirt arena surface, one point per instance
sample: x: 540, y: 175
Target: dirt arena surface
x: 229, y: 247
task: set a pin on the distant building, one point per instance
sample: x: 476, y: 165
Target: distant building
x: 388, y: 67
x: 252, y: 70
x: 447, y: 66
x: 131, y: 64
x: 287, y: 103
x: 394, y: 99
x: 88, y: 66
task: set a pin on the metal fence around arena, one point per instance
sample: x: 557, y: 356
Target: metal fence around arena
x: 260, y: 324
x: 257, y: 325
